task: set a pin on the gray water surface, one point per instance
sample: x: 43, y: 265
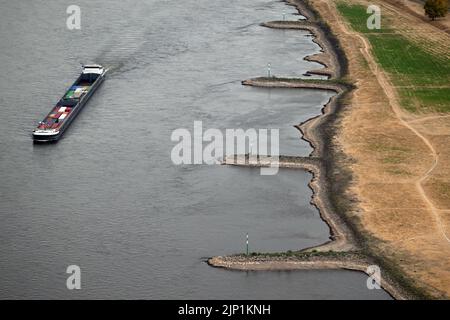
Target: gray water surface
x: 107, y: 196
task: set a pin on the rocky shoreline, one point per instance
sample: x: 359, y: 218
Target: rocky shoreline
x: 341, y: 238
x: 343, y: 250
x: 302, y: 261
x: 326, y: 57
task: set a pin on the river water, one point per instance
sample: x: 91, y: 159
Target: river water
x: 108, y: 198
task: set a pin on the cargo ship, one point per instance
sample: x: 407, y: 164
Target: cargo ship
x: 65, y: 111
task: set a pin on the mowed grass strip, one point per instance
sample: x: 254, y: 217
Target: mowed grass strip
x: 408, y: 63
x: 425, y: 99
x: 425, y: 75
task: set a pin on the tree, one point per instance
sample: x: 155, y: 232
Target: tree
x: 436, y: 8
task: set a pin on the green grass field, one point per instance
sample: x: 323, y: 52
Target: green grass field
x: 423, y: 78
x: 357, y: 16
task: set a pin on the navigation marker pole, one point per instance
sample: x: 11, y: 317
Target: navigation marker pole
x: 268, y: 70
x: 252, y: 155
x: 247, y: 243
x: 284, y: 16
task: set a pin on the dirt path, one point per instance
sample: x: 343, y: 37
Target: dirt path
x: 393, y: 102
x: 429, y: 118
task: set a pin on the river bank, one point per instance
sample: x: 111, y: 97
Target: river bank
x: 311, y: 260
x: 341, y: 237
x: 330, y: 182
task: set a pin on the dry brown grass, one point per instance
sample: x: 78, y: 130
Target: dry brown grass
x: 438, y: 185
x: 408, y: 212
x: 417, y: 7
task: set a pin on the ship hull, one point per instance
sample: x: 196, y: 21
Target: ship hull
x: 40, y: 136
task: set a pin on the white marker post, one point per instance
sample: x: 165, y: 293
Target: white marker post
x: 268, y: 70
x: 284, y: 16
x: 247, y: 244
